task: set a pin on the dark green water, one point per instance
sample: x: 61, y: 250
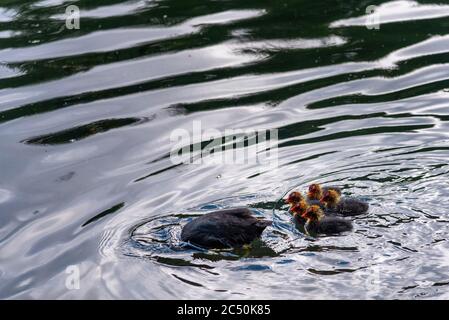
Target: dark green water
x: 86, y: 117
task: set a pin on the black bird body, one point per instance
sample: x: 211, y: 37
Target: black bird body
x: 299, y: 220
x: 348, y: 207
x: 228, y: 228
x: 327, y: 225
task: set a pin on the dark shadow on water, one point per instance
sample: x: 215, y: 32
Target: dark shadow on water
x: 105, y: 213
x: 83, y: 132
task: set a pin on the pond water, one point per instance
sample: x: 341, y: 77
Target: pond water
x: 87, y: 184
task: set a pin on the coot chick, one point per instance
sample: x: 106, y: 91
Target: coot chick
x: 316, y: 191
x: 298, y: 210
x: 318, y: 223
x: 298, y: 206
x: 294, y: 198
x: 222, y: 229
x: 343, y: 206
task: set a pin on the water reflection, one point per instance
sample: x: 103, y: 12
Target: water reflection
x: 86, y: 117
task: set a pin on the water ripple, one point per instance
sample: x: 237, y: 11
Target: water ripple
x: 87, y: 180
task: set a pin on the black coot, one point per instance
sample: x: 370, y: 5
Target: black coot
x: 224, y: 229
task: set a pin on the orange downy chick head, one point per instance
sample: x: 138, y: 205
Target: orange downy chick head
x: 315, y: 191
x: 294, y: 198
x: 314, y: 213
x: 330, y: 197
x: 299, y: 208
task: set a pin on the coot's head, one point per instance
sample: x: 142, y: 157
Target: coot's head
x: 299, y: 208
x: 294, y: 198
x: 315, y: 192
x: 330, y: 198
x: 313, y: 213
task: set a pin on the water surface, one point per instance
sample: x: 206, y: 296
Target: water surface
x: 86, y: 116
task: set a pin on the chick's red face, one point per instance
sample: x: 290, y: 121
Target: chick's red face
x: 299, y: 208
x: 327, y: 197
x: 294, y: 197
x: 312, y: 213
x: 314, y: 191
x: 308, y: 214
